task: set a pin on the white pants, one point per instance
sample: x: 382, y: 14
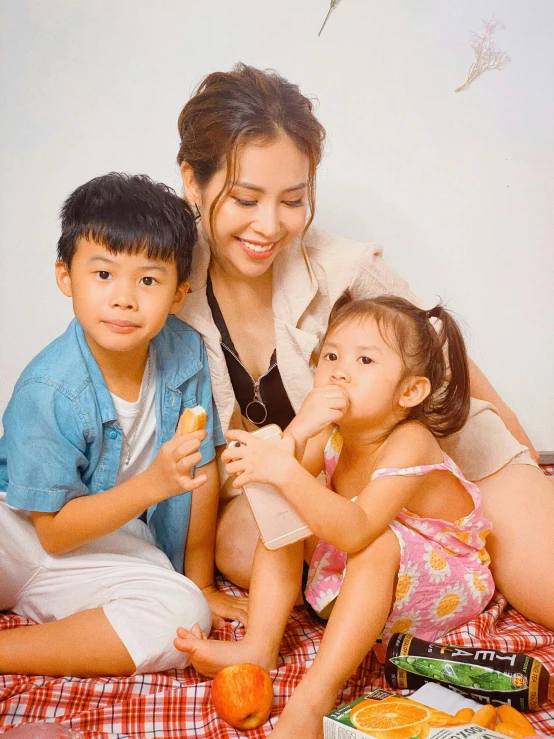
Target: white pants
x: 124, y: 573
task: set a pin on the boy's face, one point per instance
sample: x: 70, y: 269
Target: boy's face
x: 121, y: 300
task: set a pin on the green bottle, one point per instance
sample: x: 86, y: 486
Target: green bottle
x: 486, y: 675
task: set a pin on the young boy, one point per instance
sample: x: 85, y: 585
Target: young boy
x: 95, y: 529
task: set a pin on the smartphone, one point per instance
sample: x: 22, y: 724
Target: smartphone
x: 277, y: 521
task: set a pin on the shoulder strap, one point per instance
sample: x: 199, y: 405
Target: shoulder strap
x: 447, y: 464
x: 420, y: 469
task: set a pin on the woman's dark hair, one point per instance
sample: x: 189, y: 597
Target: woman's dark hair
x: 129, y: 213
x: 436, y: 351
x: 245, y: 105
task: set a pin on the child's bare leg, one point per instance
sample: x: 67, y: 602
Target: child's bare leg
x: 274, y: 587
x: 356, y: 621
x: 82, y: 645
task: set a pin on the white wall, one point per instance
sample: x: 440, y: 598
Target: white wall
x: 459, y: 187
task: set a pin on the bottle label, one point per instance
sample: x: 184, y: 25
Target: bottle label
x: 485, y: 675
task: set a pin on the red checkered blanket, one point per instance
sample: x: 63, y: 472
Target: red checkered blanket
x: 177, y: 704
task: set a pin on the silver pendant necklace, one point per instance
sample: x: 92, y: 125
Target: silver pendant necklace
x: 256, y: 410
x: 130, y: 438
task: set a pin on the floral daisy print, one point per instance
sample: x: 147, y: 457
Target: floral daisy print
x: 444, y: 579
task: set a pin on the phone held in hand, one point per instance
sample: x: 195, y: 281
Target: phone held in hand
x: 277, y: 521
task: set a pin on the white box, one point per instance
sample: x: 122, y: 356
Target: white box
x: 429, y: 723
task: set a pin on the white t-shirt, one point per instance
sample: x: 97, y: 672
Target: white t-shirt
x: 142, y: 436
x: 142, y: 450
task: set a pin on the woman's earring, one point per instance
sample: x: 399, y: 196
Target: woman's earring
x: 198, y: 215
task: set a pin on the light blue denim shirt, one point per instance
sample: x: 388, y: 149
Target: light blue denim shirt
x: 62, y: 438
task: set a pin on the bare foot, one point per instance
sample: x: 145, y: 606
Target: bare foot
x: 306, y: 722
x: 303, y: 714
x: 209, y: 656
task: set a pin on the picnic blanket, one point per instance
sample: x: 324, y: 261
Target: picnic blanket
x: 176, y: 704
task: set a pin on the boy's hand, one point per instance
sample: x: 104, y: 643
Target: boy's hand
x: 225, y: 607
x: 321, y: 407
x: 171, y: 469
x: 258, y: 460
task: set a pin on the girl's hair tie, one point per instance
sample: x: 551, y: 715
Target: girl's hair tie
x: 434, y: 312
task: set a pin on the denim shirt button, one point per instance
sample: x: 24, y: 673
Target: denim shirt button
x: 113, y: 434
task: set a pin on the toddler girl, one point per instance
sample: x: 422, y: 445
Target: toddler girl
x: 399, y: 533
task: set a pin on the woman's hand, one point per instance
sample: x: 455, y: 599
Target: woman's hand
x: 322, y: 407
x: 225, y: 607
x: 258, y: 460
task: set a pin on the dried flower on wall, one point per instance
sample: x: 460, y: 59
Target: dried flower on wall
x: 487, y: 56
x: 332, y: 6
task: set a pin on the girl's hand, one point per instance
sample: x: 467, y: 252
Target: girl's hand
x: 258, y: 460
x: 225, y: 607
x: 171, y: 468
x: 322, y: 407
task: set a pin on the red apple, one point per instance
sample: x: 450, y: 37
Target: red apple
x: 243, y: 695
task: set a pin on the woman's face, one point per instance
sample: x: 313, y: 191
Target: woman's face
x: 264, y: 211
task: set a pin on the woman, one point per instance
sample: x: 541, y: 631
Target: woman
x: 262, y: 286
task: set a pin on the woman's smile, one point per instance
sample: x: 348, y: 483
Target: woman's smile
x: 257, y: 249
x: 264, y: 210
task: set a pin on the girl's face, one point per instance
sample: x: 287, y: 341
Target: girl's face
x: 357, y: 358
x: 264, y: 211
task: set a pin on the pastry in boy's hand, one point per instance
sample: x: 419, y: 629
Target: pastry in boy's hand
x: 192, y: 419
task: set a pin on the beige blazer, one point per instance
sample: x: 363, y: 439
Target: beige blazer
x: 308, y: 277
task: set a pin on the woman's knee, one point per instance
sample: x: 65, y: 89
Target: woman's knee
x: 236, y: 541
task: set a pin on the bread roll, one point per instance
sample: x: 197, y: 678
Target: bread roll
x: 192, y: 419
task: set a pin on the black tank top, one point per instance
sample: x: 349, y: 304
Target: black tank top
x: 263, y: 401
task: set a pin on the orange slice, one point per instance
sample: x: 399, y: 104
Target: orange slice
x: 393, y: 720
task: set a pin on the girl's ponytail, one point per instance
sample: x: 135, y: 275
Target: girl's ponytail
x: 430, y: 344
x: 446, y: 408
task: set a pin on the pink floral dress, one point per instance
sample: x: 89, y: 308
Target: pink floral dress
x: 444, y: 578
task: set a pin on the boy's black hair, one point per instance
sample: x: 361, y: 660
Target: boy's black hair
x: 129, y: 213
